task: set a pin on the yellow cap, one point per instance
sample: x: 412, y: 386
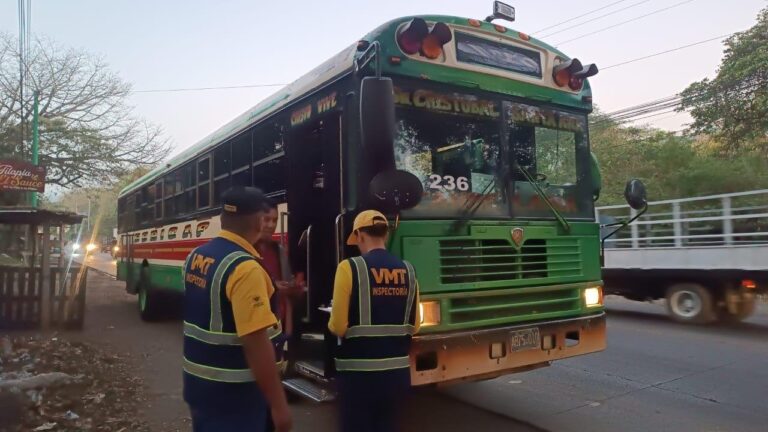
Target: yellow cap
x: 366, y: 218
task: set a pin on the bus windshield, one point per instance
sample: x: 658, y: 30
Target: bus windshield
x: 473, y: 156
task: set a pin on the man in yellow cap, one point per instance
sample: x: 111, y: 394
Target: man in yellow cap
x: 375, y: 312
x: 230, y: 376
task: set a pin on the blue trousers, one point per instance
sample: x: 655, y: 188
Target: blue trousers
x: 373, y: 401
x: 253, y: 420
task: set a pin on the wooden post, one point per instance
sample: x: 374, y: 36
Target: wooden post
x: 61, y: 245
x: 45, y: 280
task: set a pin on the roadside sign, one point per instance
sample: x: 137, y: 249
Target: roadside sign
x: 21, y: 176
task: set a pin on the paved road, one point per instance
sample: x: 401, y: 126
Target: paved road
x: 656, y: 375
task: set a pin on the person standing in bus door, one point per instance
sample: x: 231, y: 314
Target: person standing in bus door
x: 374, y: 312
x: 274, y: 259
x: 230, y: 376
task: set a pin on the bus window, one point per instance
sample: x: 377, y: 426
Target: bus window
x: 221, y: 160
x: 136, y: 210
x: 203, y: 183
x: 221, y: 167
x: 241, y: 152
x: 158, y: 199
x: 168, y: 197
x: 242, y: 176
x: 204, y: 195
x: 269, y: 176
x: 267, y: 142
x: 241, y: 160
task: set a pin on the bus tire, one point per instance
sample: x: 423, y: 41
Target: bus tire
x: 149, y: 300
x: 690, y: 303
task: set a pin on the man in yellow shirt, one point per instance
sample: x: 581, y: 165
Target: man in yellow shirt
x: 375, y: 312
x: 230, y: 376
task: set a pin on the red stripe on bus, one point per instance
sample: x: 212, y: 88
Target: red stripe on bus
x: 166, y: 250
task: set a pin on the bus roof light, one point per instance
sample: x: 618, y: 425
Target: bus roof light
x: 587, y: 71
x: 562, y: 72
x: 432, y: 45
x: 411, y: 36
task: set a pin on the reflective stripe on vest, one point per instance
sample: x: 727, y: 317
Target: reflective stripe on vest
x: 209, y: 337
x: 217, y: 374
x: 365, y: 328
x: 372, y: 364
x: 222, y: 338
x: 216, y: 323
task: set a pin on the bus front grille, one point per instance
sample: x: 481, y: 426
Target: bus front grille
x: 491, y: 260
x: 514, y: 305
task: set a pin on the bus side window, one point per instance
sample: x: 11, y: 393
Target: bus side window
x: 169, y: 207
x: 268, y: 160
x: 159, y: 200
x: 203, y: 182
x: 222, y: 164
x: 241, y: 160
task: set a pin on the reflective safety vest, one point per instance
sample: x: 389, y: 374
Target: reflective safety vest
x: 216, y: 372
x: 381, y: 314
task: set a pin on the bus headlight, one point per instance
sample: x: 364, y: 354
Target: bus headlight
x: 593, y: 296
x: 430, y: 313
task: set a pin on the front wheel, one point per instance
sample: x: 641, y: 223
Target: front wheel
x: 690, y: 303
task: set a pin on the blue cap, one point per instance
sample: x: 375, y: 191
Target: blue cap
x: 244, y: 200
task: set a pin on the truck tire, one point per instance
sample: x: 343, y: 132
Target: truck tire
x: 690, y: 303
x: 150, y: 301
x: 746, y: 309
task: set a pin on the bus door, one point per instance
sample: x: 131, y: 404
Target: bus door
x: 314, y: 202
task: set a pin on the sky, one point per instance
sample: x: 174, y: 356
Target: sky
x: 173, y: 44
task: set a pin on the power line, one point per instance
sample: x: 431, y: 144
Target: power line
x: 594, y: 19
x: 580, y: 16
x: 666, y: 104
x: 666, y: 51
x: 208, y: 88
x: 625, y: 22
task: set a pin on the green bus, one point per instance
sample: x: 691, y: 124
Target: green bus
x: 472, y: 136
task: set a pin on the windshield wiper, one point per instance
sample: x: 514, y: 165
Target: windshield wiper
x: 543, y: 195
x: 472, y: 204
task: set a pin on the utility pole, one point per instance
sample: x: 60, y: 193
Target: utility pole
x: 35, y: 139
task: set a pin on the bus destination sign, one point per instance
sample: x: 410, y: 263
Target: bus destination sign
x: 21, y: 176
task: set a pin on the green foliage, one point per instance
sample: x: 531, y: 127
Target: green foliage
x: 671, y: 166
x: 733, y: 107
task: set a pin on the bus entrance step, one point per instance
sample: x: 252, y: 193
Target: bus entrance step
x: 306, y: 388
x: 312, y: 369
x: 314, y: 337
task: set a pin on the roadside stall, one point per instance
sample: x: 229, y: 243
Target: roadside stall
x: 41, y: 287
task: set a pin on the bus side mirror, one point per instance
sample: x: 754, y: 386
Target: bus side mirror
x: 634, y: 193
x: 395, y: 190
x: 597, y: 179
x: 377, y: 124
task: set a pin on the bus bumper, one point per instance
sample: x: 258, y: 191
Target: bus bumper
x: 489, y: 353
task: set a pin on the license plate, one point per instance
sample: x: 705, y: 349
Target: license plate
x: 521, y: 340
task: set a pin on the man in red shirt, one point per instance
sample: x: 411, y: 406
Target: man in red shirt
x: 275, y: 262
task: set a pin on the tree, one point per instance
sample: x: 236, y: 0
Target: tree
x: 103, y: 203
x: 733, y: 107
x: 671, y: 166
x: 88, y: 133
